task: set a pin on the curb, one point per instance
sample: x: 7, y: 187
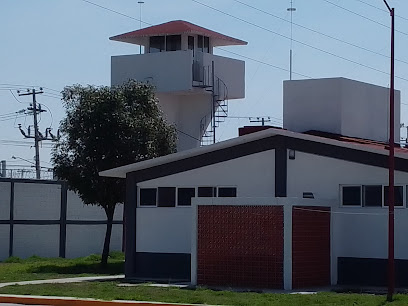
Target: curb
x: 70, y: 301
x: 64, y: 280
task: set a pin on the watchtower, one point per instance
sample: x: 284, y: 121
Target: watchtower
x: 192, y: 84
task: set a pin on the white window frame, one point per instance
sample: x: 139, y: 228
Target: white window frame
x: 139, y: 200
x: 209, y: 186
x: 192, y: 187
x: 177, y: 188
x: 225, y: 186
x: 404, y: 195
x: 361, y: 195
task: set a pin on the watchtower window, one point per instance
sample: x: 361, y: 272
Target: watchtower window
x: 173, y: 42
x: 157, y: 44
x: 206, y: 44
x: 191, y: 43
x: 203, y: 43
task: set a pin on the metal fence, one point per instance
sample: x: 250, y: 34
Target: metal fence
x: 29, y: 174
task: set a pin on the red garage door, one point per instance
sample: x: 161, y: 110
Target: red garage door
x: 240, y: 246
x: 310, y: 246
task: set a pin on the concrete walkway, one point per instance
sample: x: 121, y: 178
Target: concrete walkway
x: 65, y: 280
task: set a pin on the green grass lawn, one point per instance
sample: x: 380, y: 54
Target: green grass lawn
x: 110, y: 291
x: 15, y: 269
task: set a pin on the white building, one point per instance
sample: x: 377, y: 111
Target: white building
x: 178, y: 60
x: 279, y: 208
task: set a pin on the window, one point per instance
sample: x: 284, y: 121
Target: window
x: 200, y: 43
x: 398, y: 195
x: 156, y: 44
x: 372, y: 196
x: 230, y: 192
x: 181, y: 196
x: 184, y: 196
x: 203, y: 43
x: 207, y: 192
x: 148, y: 196
x: 191, y: 43
x: 351, y: 196
x: 206, y: 44
x: 173, y: 42
x: 166, y: 197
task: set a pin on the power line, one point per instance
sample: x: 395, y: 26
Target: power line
x: 246, y: 117
x: 380, y: 9
x: 362, y: 16
x: 116, y: 12
x: 265, y: 63
x: 11, y: 118
x: 51, y: 96
x: 318, y: 32
x: 59, y: 91
x: 299, y: 42
x: 188, y: 135
x: 8, y: 114
x: 15, y: 98
x: 52, y: 117
x: 19, y: 86
x: 280, y: 68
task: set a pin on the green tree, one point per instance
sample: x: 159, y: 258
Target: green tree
x: 107, y: 127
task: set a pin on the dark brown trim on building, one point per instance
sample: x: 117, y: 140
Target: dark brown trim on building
x: 92, y: 222
x: 11, y: 237
x: 130, y: 225
x: 208, y: 158
x: 58, y: 222
x: 164, y: 266
x: 63, y: 220
x: 31, y: 181
x: 272, y: 142
x: 370, y: 272
x: 347, y: 154
x: 281, y: 173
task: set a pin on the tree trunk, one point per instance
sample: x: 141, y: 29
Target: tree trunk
x: 105, y: 254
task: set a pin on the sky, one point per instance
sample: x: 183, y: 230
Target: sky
x: 57, y: 43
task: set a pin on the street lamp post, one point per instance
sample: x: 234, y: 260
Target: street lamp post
x: 140, y: 19
x: 391, y: 166
x: 17, y: 157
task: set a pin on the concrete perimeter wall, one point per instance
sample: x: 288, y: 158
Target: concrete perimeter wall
x: 44, y: 218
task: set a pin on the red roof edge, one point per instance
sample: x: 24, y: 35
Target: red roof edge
x: 177, y: 27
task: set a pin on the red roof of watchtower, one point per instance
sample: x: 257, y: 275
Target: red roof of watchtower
x: 176, y: 27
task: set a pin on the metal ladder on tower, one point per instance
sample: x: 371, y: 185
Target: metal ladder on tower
x: 208, y: 123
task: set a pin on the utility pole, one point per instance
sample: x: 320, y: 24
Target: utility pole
x: 36, y: 135
x: 214, y: 97
x: 140, y: 19
x: 36, y: 109
x: 391, y: 168
x: 260, y: 119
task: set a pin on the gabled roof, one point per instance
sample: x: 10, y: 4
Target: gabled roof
x: 176, y: 27
x: 346, y: 148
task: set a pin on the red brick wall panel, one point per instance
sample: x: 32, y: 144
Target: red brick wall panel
x: 240, y: 246
x: 310, y: 246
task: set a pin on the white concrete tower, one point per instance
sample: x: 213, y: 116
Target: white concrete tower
x: 178, y: 61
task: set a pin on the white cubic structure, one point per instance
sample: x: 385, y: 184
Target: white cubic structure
x: 192, y: 84
x: 340, y: 106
